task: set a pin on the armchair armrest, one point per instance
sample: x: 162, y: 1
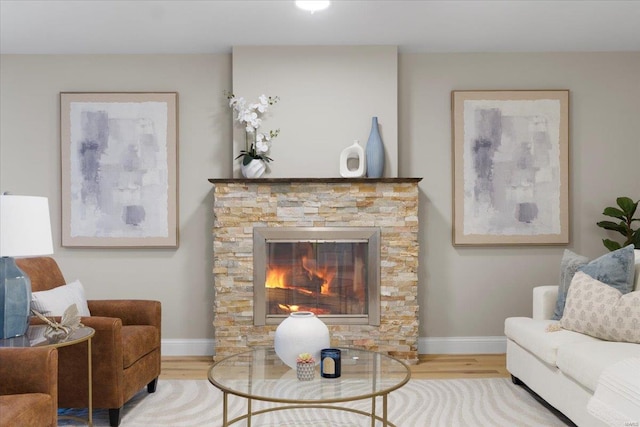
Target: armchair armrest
x: 131, y: 312
x: 29, y: 370
x: 544, y: 302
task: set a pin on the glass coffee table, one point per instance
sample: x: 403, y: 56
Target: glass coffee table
x: 259, y: 374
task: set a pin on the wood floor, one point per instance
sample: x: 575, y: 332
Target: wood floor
x: 430, y: 366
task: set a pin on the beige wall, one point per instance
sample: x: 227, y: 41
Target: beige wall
x: 30, y: 164
x: 469, y: 291
x: 328, y: 95
x: 464, y: 292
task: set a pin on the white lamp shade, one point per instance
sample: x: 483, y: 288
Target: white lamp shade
x: 25, y: 226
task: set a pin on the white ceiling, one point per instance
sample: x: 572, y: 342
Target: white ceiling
x: 206, y: 26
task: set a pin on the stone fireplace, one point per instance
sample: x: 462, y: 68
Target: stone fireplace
x: 346, y: 249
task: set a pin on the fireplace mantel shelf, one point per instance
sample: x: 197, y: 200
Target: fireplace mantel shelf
x: 309, y: 180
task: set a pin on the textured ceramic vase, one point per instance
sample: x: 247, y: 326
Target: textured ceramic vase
x: 301, y: 332
x: 374, y: 152
x: 254, y: 169
x: 306, y: 371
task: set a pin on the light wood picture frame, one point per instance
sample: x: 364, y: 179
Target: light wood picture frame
x: 119, y: 158
x: 510, y: 167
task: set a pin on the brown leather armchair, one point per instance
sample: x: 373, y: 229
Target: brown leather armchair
x: 125, y: 347
x: 28, y: 387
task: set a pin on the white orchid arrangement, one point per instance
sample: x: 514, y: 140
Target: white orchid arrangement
x: 250, y: 117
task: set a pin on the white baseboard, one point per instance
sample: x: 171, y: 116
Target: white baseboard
x: 187, y: 347
x: 462, y: 345
x: 426, y: 345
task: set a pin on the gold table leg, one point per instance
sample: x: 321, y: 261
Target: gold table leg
x: 248, y: 412
x: 385, y: 423
x: 225, y: 396
x: 89, y: 377
x: 373, y: 411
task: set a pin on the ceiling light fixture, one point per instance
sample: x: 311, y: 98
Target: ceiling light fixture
x: 313, y: 6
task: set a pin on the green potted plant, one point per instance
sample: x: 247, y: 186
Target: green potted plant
x: 624, y: 213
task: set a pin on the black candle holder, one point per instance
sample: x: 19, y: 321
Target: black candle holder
x: 330, y: 364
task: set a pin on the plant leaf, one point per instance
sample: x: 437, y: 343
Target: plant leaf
x: 614, y: 212
x: 610, y: 225
x: 627, y: 205
x: 611, y: 245
x: 636, y: 239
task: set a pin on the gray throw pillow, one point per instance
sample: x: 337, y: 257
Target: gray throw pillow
x: 615, y: 269
x: 569, y: 265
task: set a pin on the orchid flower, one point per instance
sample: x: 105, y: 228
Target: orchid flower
x: 249, y: 115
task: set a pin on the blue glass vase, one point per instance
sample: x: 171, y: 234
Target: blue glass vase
x: 374, y: 152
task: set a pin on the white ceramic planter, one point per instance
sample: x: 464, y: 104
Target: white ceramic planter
x: 254, y: 169
x: 301, y: 332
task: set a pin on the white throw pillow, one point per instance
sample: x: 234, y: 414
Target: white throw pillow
x: 55, y: 301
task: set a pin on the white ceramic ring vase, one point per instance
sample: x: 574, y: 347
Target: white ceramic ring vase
x: 254, y: 169
x: 301, y: 332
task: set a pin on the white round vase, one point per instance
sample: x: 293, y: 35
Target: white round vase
x: 301, y: 332
x: 254, y: 169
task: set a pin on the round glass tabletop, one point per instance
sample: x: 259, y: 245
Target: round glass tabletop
x: 42, y: 336
x: 260, y: 374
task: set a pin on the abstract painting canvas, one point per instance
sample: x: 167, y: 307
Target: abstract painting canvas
x: 119, y: 169
x: 510, y: 155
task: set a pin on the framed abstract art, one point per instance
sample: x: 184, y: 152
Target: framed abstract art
x: 119, y: 169
x: 510, y: 163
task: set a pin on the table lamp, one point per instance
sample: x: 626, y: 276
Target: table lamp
x: 25, y: 230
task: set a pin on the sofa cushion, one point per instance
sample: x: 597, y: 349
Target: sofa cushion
x: 138, y: 341
x: 532, y: 335
x: 601, y: 311
x: 585, y: 361
x: 570, y: 263
x: 55, y: 301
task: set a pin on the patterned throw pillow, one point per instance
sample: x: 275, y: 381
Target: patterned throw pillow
x: 598, y: 310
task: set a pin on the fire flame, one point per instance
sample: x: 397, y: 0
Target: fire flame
x: 278, y: 277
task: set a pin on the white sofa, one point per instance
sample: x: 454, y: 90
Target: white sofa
x: 564, y: 367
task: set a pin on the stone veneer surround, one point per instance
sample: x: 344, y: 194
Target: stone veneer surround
x: 388, y: 203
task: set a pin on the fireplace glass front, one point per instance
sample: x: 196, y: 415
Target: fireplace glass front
x: 330, y: 271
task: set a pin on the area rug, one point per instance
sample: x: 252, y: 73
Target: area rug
x: 493, y: 402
